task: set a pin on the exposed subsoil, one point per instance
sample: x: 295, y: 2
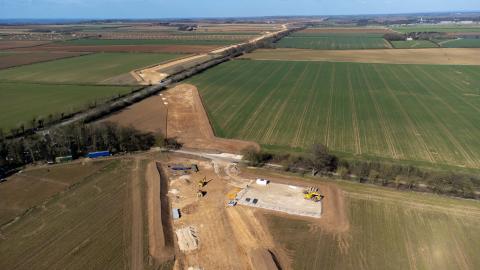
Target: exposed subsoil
x: 187, y: 120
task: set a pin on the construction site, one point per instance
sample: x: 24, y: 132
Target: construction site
x: 217, y: 213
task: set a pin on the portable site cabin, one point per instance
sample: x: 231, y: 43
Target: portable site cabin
x: 63, y: 159
x: 182, y: 167
x: 99, y: 154
x: 175, y: 213
x: 262, y: 182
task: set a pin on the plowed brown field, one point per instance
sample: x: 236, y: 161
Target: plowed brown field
x: 19, y: 59
x: 125, y: 48
x: 10, y: 44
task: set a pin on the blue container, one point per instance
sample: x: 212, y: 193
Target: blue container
x: 98, y: 154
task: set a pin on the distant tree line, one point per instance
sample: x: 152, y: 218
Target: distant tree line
x: 319, y: 161
x: 75, y: 140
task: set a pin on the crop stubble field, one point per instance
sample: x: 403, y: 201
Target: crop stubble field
x: 388, y: 230
x: 85, y: 227
x: 419, y: 113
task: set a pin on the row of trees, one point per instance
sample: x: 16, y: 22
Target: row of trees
x: 320, y: 161
x: 36, y: 123
x: 75, y: 140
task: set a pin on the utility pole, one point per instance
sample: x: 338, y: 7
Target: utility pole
x: 166, y: 120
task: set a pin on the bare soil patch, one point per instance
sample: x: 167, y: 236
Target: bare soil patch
x: 147, y: 115
x: 187, y: 120
x: 10, y: 44
x: 125, y: 48
x: 155, y: 74
x: 334, y: 216
x: 437, y: 56
x: 160, y: 246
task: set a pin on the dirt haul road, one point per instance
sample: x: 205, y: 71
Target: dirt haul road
x: 239, y: 237
x: 155, y: 74
x: 159, y: 236
x: 187, y: 120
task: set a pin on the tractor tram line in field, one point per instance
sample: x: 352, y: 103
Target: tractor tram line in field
x: 297, y: 140
x: 458, y: 145
x: 411, y: 130
x: 329, y: 112
x: 247, y: 101
x: 442, y: 127
x: 367, y: 110
x: 228, y: 94
x: 356, y: 131
x: 258, y: 110
x: 383, y: 123
x: 435, y: 146
x: 290, y: 99
x: 272, y: 130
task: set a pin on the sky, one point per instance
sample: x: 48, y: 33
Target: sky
x: 103, y: 9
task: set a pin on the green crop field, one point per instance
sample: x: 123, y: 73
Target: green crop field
x: 109, y: 42
x: 324, y: 41
x: 437, y: 28
x: 20, y: 102
x: 420, y: 113
x: 388, y: 230
x: 460, y: 43
x: 414, y: 44
x: 93, y: 68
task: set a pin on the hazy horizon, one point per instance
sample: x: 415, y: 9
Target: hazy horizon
x: 161, y: 9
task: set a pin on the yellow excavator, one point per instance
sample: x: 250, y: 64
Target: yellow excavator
x: 312, y: 194
x: 203, y: 182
